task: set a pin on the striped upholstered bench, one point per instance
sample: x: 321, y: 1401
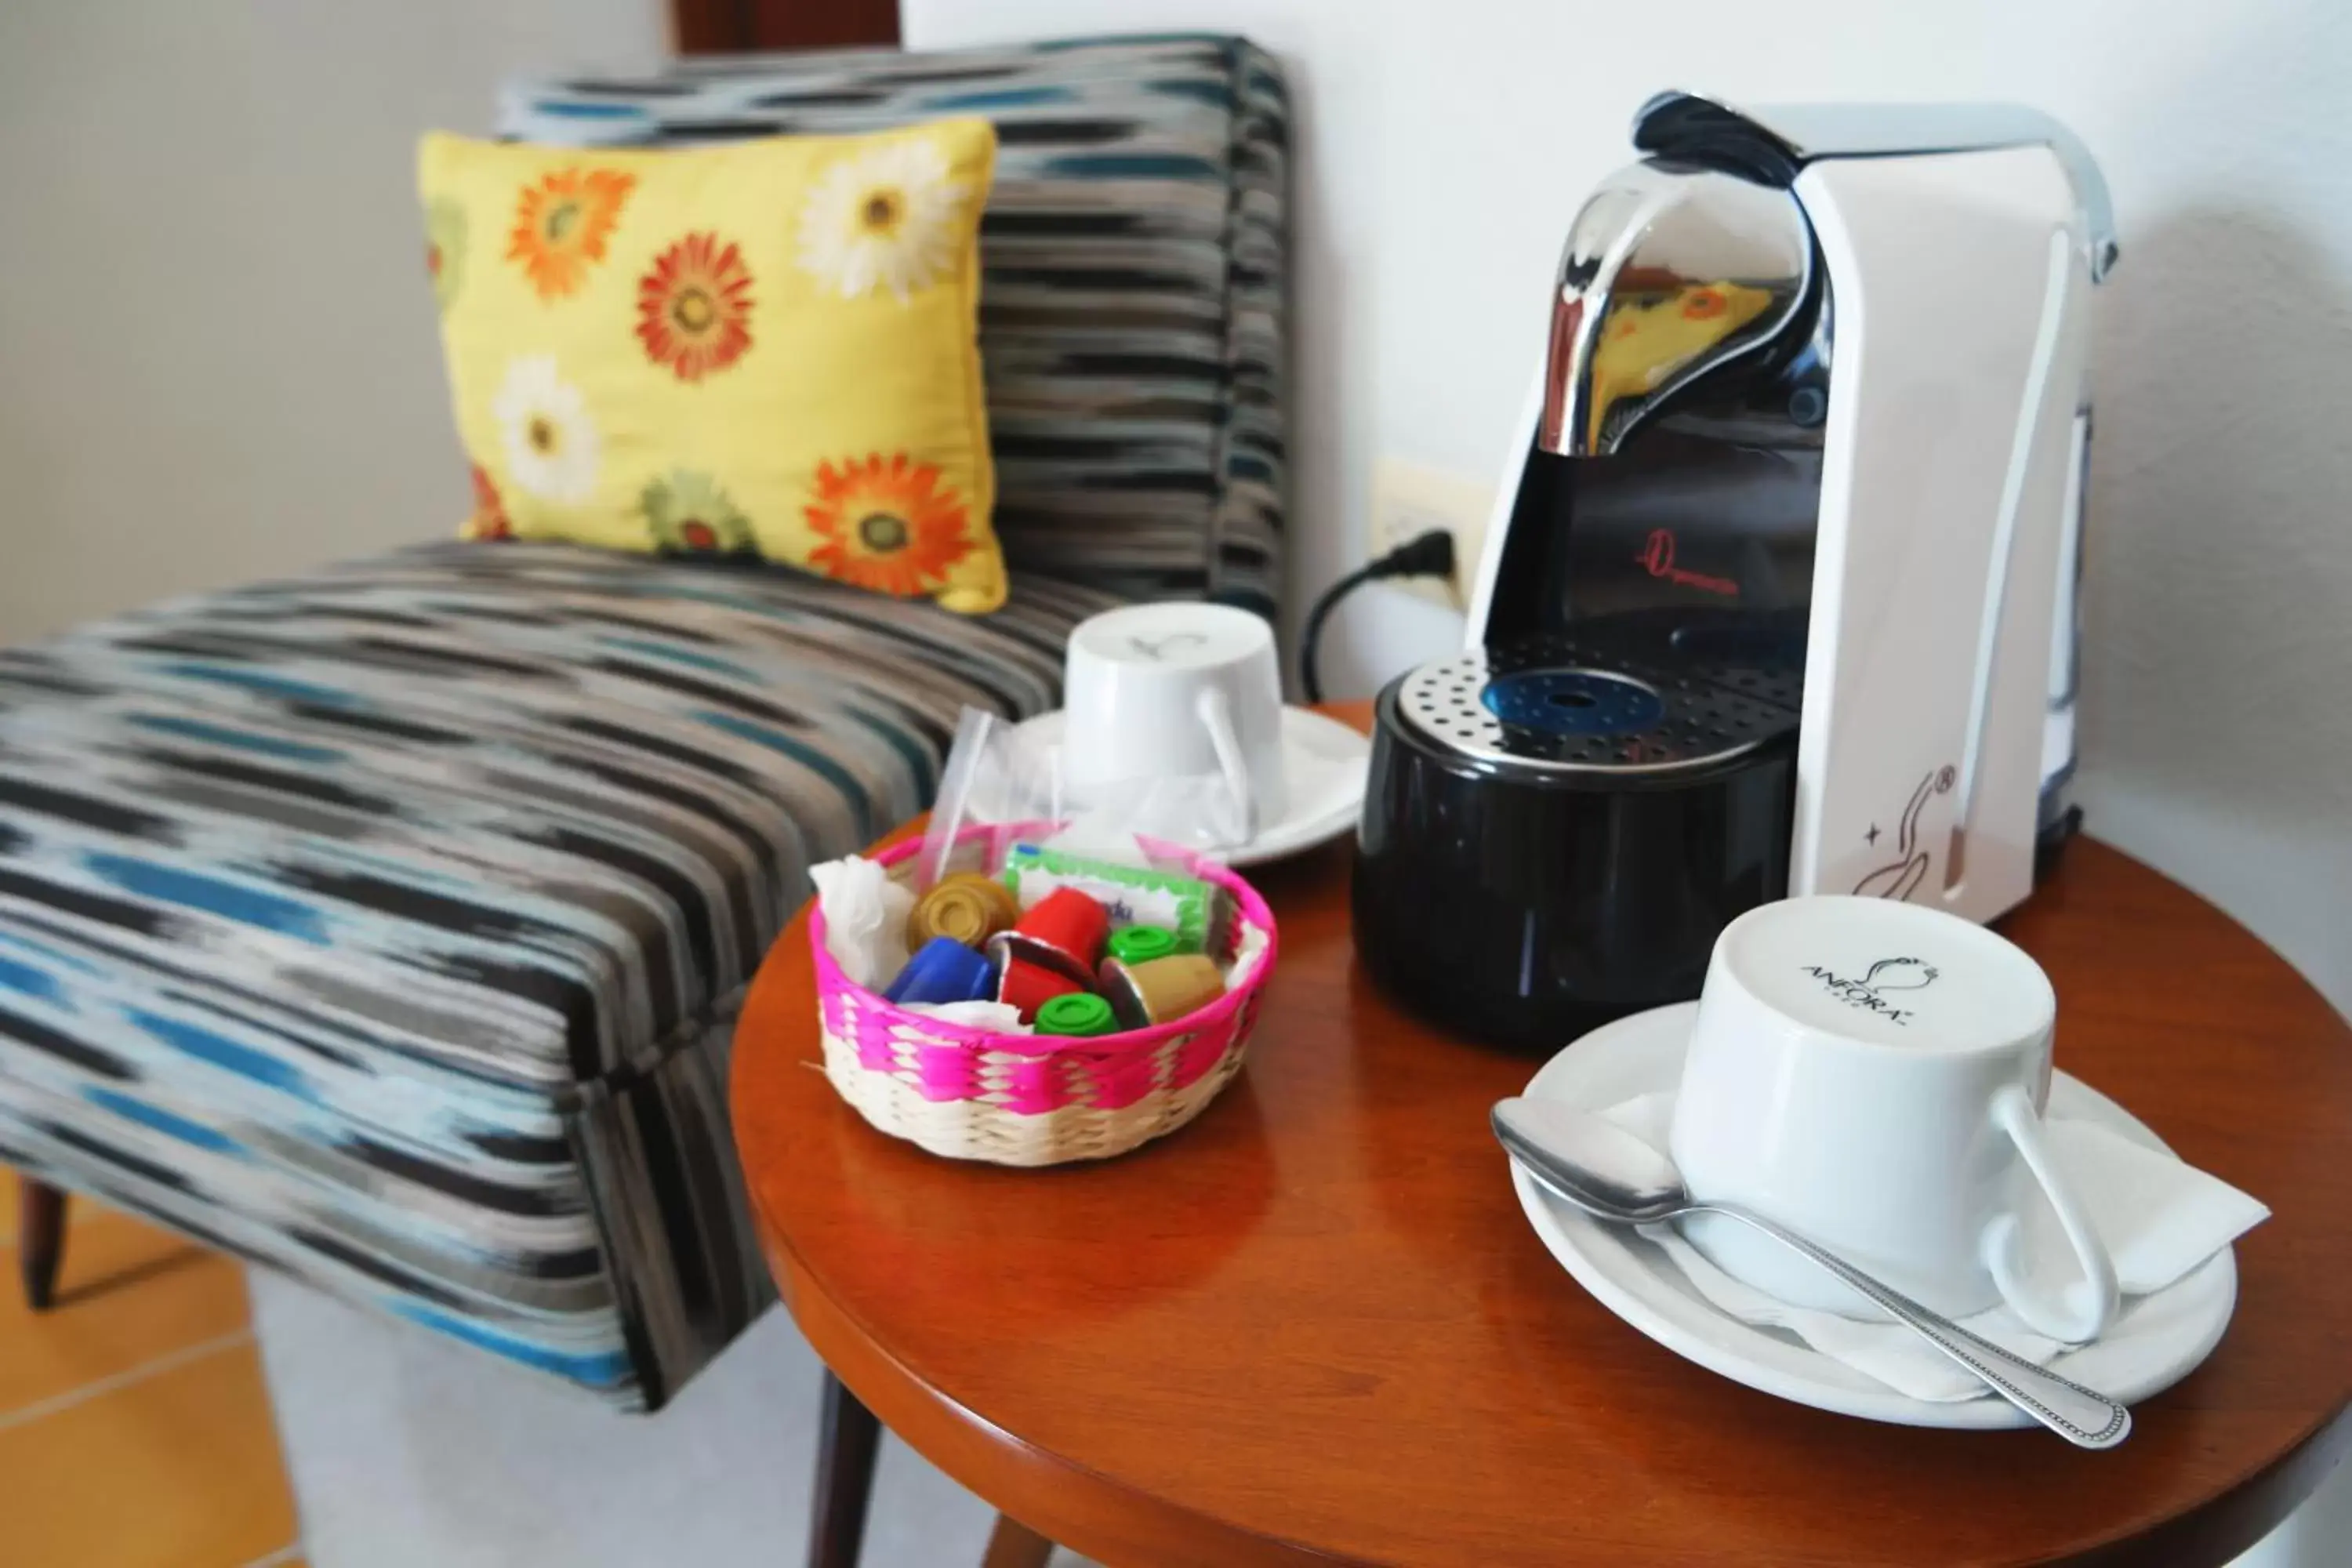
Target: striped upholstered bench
x: 384, y: 925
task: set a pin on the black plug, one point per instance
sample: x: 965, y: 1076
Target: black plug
x: 1429, y: 554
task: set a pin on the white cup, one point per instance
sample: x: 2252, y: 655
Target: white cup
x: 1170, y: 691
x: 1872, y: 1074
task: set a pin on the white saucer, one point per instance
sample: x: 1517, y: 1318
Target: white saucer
x: 1635, y: 1279
x: 1327, y: 763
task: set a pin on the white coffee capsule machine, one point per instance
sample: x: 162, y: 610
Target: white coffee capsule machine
x: 1780, y: 596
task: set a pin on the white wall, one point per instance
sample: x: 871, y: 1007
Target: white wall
x: 218, y: 352
x: 1441, y: 146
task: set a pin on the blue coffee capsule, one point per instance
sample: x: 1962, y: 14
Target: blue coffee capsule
x: 944, y: 969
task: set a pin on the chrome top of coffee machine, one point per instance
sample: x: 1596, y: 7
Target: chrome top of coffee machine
x: 1798, y: 493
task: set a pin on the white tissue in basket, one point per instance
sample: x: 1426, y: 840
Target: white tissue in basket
x: 1249, y: 952
x: 997, y: 1017
x: 865, y: 918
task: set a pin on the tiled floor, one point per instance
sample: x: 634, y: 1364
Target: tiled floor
x: 408, y: 1450
x: 135, y: 1430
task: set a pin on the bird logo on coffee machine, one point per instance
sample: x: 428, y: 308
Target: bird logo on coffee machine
x: 1869, y: 992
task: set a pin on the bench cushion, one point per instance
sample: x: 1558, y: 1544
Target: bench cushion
x: 383, y: 924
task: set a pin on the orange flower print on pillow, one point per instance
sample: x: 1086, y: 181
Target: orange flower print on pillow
x: 886, y: 525
x: 694, y: 306
x: 562, y: 224
x: 490, y: 519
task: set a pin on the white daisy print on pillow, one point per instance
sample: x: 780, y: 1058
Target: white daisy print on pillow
x: 552, y: 448
x: 884, y: 218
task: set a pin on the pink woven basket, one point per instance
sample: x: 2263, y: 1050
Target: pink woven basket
x: 1033, y: 1099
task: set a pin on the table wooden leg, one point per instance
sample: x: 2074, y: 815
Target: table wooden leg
x: 844, y: 1477
x: 1013, y: 1544
x: 40, y: 1239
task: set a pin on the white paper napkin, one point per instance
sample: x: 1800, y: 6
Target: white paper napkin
x: 996, y: 1017
x: 2160, y: 1218
x: 865, y: 918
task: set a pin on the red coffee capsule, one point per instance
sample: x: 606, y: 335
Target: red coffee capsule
x: 1063, y: 930
x: 1029, y: 986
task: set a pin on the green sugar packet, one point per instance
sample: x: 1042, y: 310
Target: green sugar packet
x: 1199, y: 912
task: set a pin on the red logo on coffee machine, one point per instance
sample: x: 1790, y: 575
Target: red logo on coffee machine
x: 1657, y: 558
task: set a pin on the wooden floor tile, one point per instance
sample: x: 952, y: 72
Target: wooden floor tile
x: 176, y: 1469
x: 128, y: 1294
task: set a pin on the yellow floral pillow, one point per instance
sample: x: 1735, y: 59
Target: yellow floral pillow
x: 769, y: 346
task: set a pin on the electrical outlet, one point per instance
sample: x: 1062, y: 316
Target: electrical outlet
x: 1409, y: 500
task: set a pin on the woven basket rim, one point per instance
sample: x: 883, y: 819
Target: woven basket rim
x: 1250, y: 905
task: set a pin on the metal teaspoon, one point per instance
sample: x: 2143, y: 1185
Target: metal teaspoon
x: 1612, y: 1175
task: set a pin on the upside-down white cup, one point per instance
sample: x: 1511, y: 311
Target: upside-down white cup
x: 1872, y: 1074
x: 1175, y: 690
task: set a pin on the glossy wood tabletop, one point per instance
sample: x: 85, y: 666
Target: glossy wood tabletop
x: 1314, y: 1326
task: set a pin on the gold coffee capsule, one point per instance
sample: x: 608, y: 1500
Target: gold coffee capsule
x: 1160, y: 989
x: 967, y: 906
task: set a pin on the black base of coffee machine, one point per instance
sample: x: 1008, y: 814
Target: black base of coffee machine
x: 1554, y: 835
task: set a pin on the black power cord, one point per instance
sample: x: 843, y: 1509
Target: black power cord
x: 1429, y: 554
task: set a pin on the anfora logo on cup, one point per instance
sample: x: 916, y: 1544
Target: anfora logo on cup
x: 1156, y: 650
x: 1887, y: 974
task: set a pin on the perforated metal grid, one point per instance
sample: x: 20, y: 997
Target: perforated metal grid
x: 1478, y: 704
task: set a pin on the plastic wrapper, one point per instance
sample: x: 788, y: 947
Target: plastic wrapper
x: 1000, y: 772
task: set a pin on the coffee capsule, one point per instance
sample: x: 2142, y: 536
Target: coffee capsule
x: 1028, y: 985
x: 1142, y: 944
x: 1161, y: 989
x: 967, y: 906
x: 1063, y: 931
x: 1078, y: 1013
x: 943, y: 970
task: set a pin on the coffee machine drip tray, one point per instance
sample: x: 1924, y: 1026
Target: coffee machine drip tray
x: 1560, y: 704
x: 1556, y: 826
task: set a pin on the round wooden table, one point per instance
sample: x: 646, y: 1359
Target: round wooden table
x: 1314, y: 1326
